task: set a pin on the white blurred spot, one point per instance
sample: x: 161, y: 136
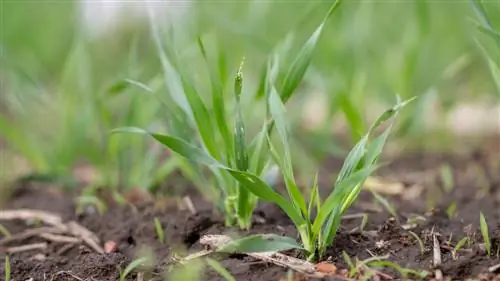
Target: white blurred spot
x: 99, y: 17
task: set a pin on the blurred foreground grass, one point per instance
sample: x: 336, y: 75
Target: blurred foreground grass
x: 62, y: 88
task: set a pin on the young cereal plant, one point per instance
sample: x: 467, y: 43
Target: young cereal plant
x: 160, y: 233
x: 239, y: 168
x: 459, y: 246
x: 220, y: 142
x: 485, y: 232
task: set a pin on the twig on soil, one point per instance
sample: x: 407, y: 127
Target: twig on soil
x: 64, y: 249
x: 494, y: 268
x: 25, y: 248
x: 305, y: 267
x: 59, y: 238
x: 65, y: 272
x: 189, y: 205
x: 196, y: 255
x: 56, y: 221
x: 30, y: 233
x: 86, y: 235
x: 26, y: 214
x: 437, y: 258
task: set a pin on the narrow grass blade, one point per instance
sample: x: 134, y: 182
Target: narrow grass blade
x: 176, y: 144
x: 160, y: 233
x: 339, y: 193
x: 259, y: 151
x: 260, y: 243
x: 352, y: 160
x: 301, y: 63
x: 493, y: 65
x: 7, y: 268
x: 353, y: 116
x: 218, y: 100
x: 132, y: 266
x: 255, y: 185
x: 215, y: 265
x: 388, y: 206
x: 314, y: 200
x: 185, y: 94
x: 122, y: 85
x: 390, y: 113
x: 277, y: 110
x: 484, y: 231
x: 480, y: 12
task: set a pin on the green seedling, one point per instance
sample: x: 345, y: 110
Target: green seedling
x: 5, y: 232
x: 160, y: 233
x: 7, y: 268
x: 446, y: 177
x: 192, y: 270
x: 485, y: 232
x: 131, y: 267
x: 350, y: 264
x: 405, y: 272
x: 420, y: 242
x: 215, y: 265
x: 459, y: 246
x: 451, y: 210
x: 89, y: 200
x: 318, y: 233
x: 363, y: 223
x: 387, y: 205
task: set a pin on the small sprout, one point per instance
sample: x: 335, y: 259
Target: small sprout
x: 447, y: 177
x: 364, y: 221
x: 350, y: 264
x: 160, y: 233
x: 405, y: 272
x: 189, y: 271
x: 387, y: 205
x: 484, y: 231
x: 7, y: 268
x: 450, y: 211
x: 133, y: 265
x: 420, y: 242
x: 459, y: 246
x: 88, y: 202
x: 220, y: 269
x: 5, y: 232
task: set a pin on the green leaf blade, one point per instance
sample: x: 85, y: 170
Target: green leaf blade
x: 260, y: 243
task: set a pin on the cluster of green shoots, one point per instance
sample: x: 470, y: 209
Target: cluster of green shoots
x: 238, y: 167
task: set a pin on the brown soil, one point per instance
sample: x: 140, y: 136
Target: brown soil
x: 475, y: 188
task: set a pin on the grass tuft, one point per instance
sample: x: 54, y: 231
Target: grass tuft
x: 485, y: 232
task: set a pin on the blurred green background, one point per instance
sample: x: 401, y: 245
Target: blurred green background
x: 62, y: 63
